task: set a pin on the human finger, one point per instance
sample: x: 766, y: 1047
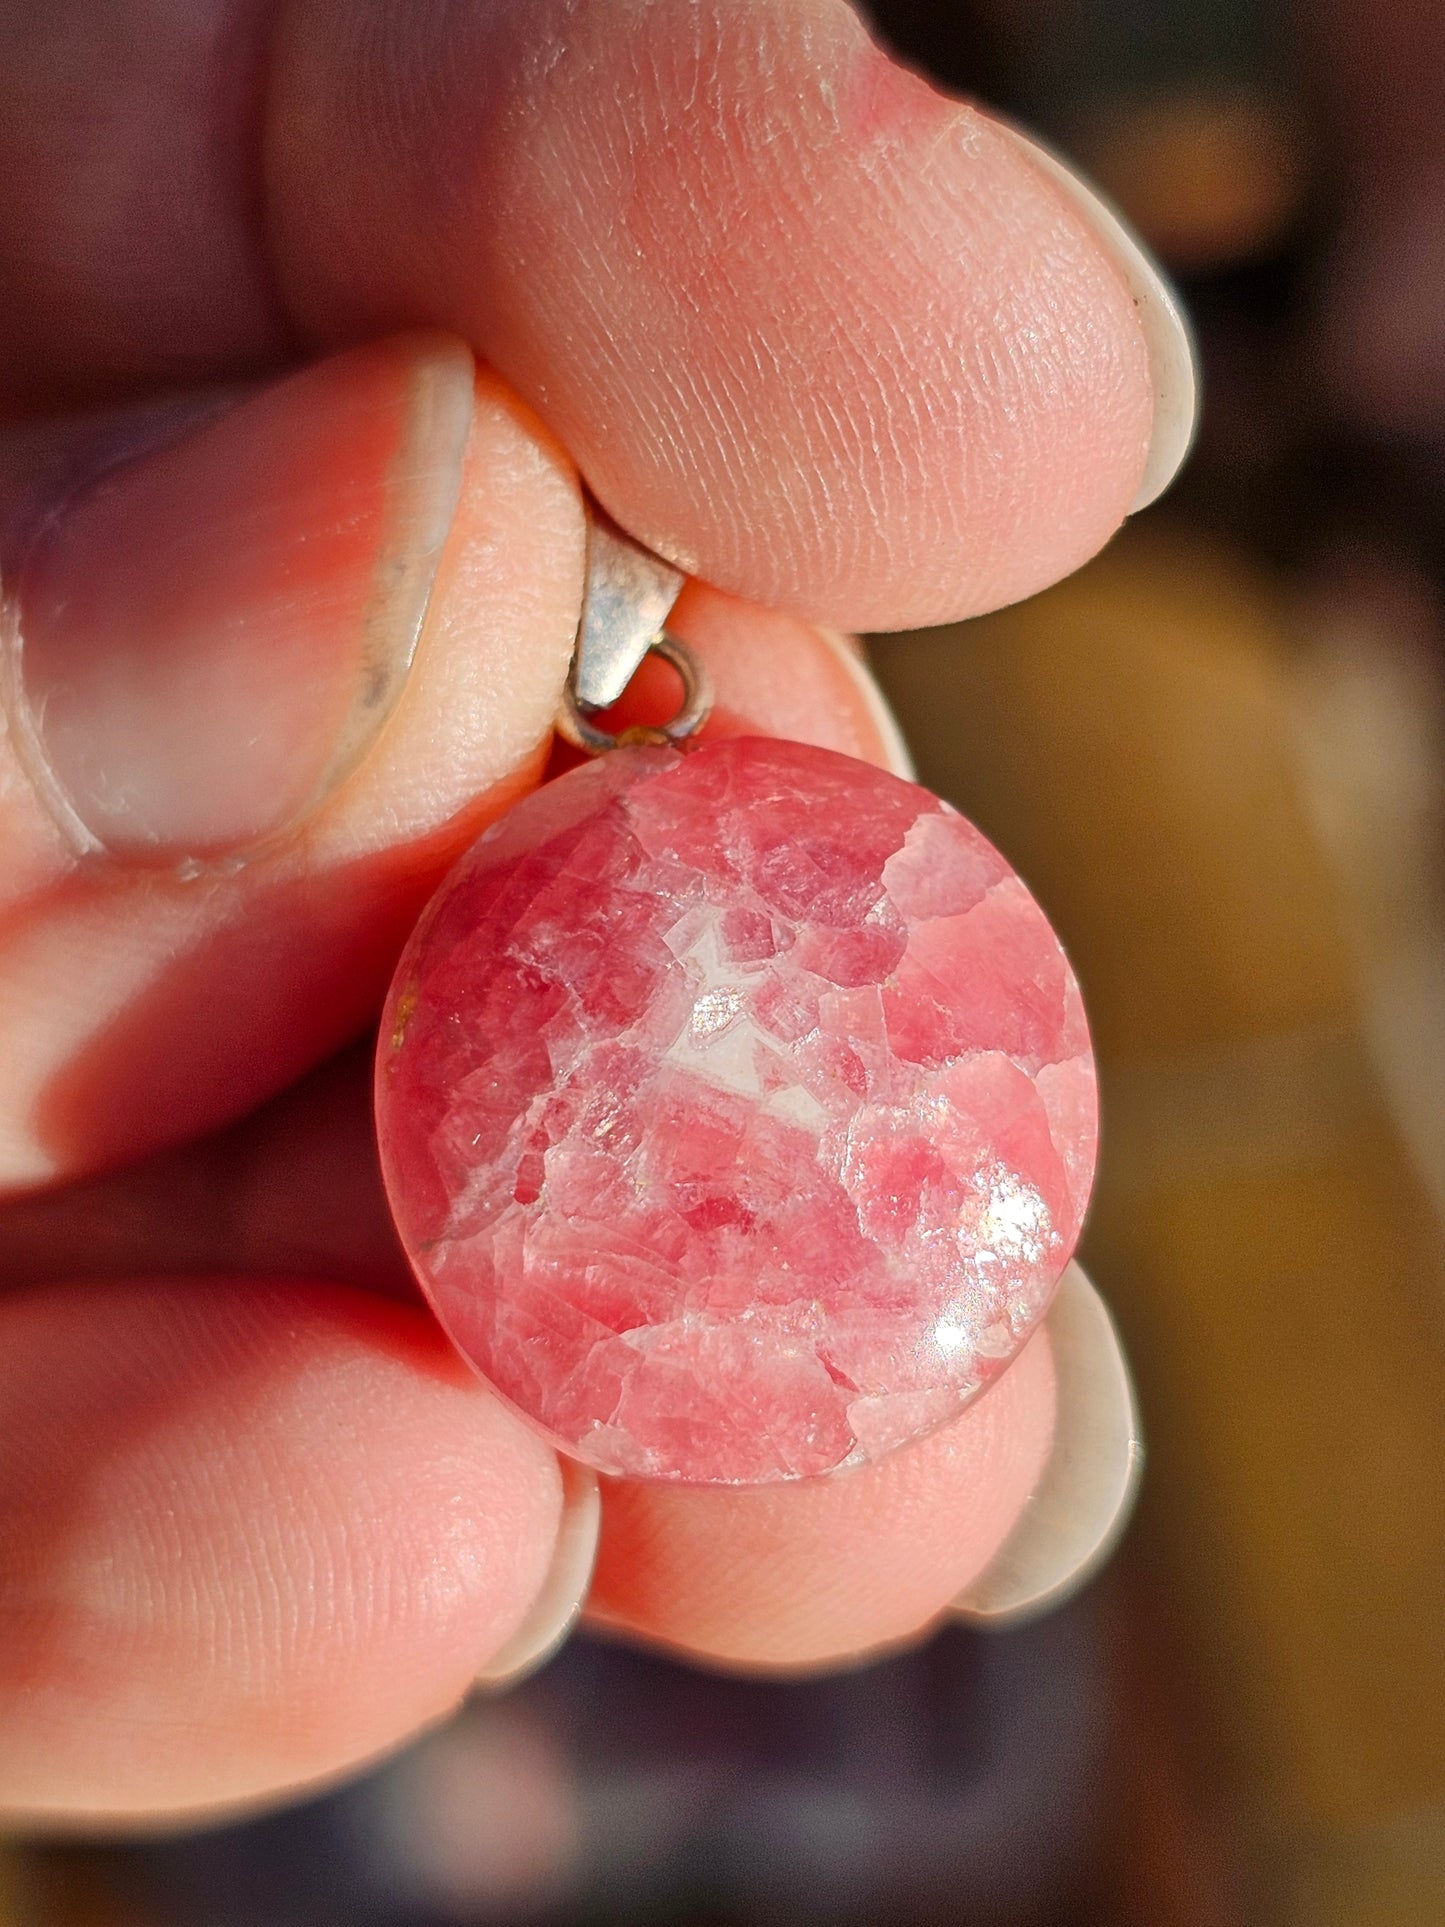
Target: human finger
x: 823, y: 336
x: 263, y: 676
x: 999, y: 1515
x: 297, y: 1186
x: 829, y: 339
x: 819, y: 1571
x: 268, y: 676
x: 249, y: 1536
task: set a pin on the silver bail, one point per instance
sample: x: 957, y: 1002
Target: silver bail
x: 629, y: 596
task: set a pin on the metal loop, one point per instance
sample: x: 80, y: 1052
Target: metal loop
x: 573, y: 723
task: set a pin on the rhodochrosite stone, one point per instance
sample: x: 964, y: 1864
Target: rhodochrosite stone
x: 737, y: 1110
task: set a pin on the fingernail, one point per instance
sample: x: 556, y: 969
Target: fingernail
x: 1082, y: 1503
x: 890, y: 735
x: 206, y: 640
x: 558, y: 1605
x: 1166, y: 332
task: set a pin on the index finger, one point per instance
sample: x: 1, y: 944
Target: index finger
x: 828, y: 339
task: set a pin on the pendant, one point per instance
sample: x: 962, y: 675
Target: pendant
x: 736, y: 1109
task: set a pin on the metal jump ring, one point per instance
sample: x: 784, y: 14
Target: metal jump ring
x: 697, y: 697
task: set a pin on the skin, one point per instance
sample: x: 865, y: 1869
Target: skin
x: 256, y: 1523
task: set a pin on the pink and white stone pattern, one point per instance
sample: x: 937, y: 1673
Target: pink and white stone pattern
x: 737, y: 1111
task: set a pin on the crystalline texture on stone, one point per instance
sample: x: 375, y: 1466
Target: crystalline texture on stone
x: 737, y: 1111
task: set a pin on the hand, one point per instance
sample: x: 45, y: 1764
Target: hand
x: 290, y: 640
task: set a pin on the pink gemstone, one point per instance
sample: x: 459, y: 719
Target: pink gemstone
x: 737, y: 1111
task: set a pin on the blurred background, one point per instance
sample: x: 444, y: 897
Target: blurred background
x: 1218, y: 755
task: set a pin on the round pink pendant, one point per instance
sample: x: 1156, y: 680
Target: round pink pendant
x: 737, y: 1111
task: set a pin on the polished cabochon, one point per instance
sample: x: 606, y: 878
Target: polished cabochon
x: 737, y: 1111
